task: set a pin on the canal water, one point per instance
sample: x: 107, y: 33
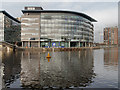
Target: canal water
x: 66, y: 69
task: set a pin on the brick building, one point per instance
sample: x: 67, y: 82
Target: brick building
x: 111, y: 36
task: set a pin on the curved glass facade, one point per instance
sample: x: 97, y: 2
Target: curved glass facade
x: 56, y: 29
x: 64, y: 26
x: 9, y: 28
x: 1, y: 27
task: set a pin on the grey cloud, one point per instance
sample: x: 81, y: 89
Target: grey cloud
x: 104, y: 12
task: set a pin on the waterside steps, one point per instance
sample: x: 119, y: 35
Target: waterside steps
x: 7, y: 46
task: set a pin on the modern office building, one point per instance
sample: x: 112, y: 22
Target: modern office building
x: 10, y: 28
x: 111, y: 36
x: 55, y: 28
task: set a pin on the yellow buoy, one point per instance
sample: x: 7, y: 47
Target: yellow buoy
x: 48, y: 59
x: 48, y: 56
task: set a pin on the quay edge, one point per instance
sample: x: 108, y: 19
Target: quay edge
x: 56, y: 49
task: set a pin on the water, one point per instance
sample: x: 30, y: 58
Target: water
x: 86, y: 68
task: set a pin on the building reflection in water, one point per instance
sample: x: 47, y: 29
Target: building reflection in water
x: 64, y: 69
x: 1, y: 71
x: 12, y: 67
x: 111, y: 57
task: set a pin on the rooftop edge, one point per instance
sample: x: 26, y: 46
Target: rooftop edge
x: 81, y: 14
x: 4, y: 12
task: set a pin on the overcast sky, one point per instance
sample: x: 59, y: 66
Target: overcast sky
x: 106, y: 13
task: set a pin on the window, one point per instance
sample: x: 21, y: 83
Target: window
x: 31, y: 8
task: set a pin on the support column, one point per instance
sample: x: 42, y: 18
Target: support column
x: 28, y: 43
x: 38, y: 43
x: 79, y: 44
x: 69, y: 44
x: 22, y: 43
x: 89, y: 45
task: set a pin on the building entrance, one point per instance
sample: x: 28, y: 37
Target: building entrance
x: 73, y: 44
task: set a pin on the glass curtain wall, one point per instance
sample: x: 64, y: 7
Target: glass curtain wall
x: 11, y: 30
x: 64, y: 27
x: 1, y: 27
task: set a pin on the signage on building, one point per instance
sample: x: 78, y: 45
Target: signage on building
x: 53, y: 44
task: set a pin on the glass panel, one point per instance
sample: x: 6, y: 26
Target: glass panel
x: 12, y: 30
x: 1, y: 27
x: 61, y: 26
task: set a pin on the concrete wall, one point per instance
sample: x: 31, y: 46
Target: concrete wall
x: 30, y: 28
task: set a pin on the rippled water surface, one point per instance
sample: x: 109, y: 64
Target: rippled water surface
x: 86, y: 68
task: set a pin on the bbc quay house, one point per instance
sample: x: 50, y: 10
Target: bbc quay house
x: 55, y: 28
x: 10, y: 28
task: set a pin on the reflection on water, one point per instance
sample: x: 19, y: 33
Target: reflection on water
x: 105, y: 68
x: 12, y: 67
x: 59, y: 71
x: 1, y: 71
x: 111, y: 57
x: 86, y: 68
